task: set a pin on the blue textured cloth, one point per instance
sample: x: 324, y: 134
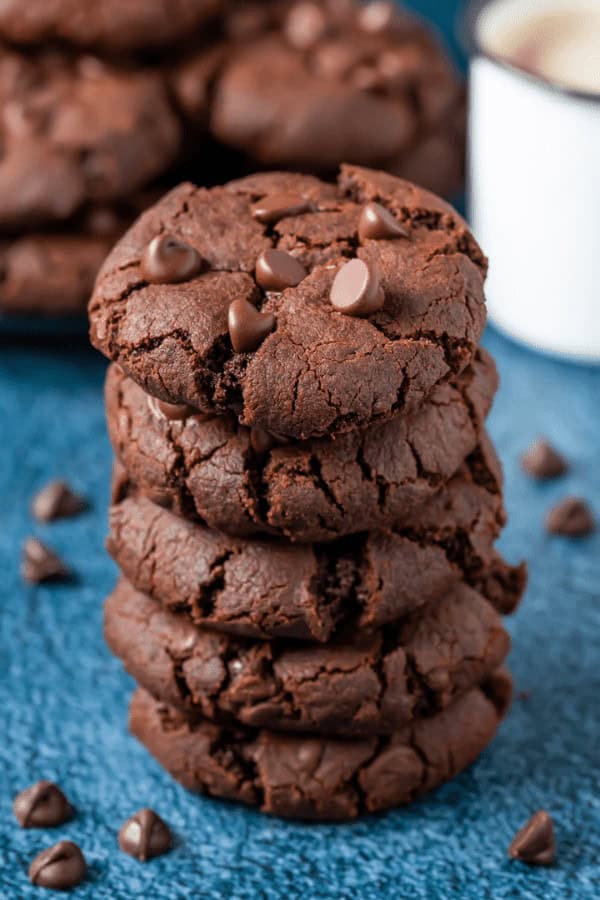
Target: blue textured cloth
x: 63, y: 699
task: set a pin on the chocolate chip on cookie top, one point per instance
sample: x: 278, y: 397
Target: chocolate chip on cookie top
x: 276, y: 270
x: 274, y: 207
x: 376, y: 223
x: 167, y: 260
x: 257, y: 331
x: 356, y: 289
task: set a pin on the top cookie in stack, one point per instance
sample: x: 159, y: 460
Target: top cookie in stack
x: 334, y: 348
x: 306, y: 501
x: 90, y: 140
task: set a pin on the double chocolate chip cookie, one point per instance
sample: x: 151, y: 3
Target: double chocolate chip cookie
x: 243, y: 482
x: 360, y: 684
x: 265, y: 588
x: 77, y: 130
x: 306, y: 309
x: 308, y: 85
x: 307, y: 777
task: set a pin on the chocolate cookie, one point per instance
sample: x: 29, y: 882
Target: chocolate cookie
x: 360, y: 684
x: 306, y: 777
x: 380, y: 319
x: 74, y: 130
x: 241, y: 482
x: 112, y: 25
x: 317, y: 84
x: 265, y: 588
x: 49, y: 274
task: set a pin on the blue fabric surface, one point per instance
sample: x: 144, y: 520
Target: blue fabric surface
x: 63, y: 699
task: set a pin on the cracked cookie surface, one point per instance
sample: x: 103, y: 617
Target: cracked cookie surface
x: 321, y: 778
x: 267, y: 588
x: 360, y: 684
x: 208, y: 469
x: 318, y: 372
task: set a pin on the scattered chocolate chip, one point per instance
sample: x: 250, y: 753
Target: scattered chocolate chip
x: 356, y: 290
x: 274, y: 207
x: 174, y: 412
x: 305, y: 25
x: 534, y: 844
x: 247, y: 326
x: 543, y: 461
x: 40, y: 563
x: 572, y: 517
x: 378, y: 16
x: 56, y: 501
x: 376, y: 223
x: 167, y: 260
x: 59, y: 867
x: 262, y: 441
x: 43, y: 805
x: 276, y: 270
x: 145, y: 835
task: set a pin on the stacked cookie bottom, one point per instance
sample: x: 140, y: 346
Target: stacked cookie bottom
x: 315, y: 627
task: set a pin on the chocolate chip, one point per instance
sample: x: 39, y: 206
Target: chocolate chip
x: 305, y: 25
x: 174, y: 412
x: 247, y: 326
x: 534, y: 843
x: 356, y: 290
x: 167, y: 260
x: 276, y: 270
x: 56, y: 501
x: 376, y: 223
x: 43, y: 805
x: 572, y: 517
x: 145, y: 835
x: 543, y: 461
x: 40, y: 563
x: 378, y: 16
x: 59, y: 867
x: 274, y: 207
x: 263, y: 441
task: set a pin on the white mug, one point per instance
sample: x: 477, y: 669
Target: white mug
x: 534, y: 184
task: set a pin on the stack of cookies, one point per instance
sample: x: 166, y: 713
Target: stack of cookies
x: 305, y: 498
x: 105, y: 104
